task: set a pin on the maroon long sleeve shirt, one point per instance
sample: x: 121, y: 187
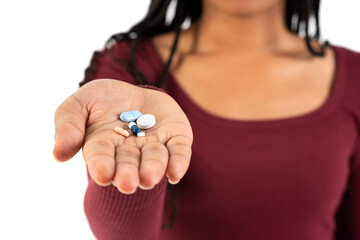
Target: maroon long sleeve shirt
x: 285, y: 179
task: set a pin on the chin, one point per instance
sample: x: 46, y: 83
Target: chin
x: 242, y: 7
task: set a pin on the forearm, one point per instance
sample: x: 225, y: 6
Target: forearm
x: 114, y: 215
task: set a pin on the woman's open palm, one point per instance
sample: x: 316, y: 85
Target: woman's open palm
x: 88, y: 117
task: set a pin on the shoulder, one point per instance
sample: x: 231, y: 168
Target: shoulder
x: 146, y: 58
x: 113, y: 61
x: 351, y: 53
x: 348, y: 67
x: 350, y: 58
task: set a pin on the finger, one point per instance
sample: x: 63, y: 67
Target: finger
x: 99, y: 155
x: 70, y: 120
x: 127, y: 168
x: 154, y: 158
x: 179, y: 148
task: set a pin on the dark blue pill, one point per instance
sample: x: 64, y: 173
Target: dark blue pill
x: 134, y: 128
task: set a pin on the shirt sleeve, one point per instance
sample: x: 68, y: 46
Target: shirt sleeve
x: 110, y: 213
x: 348, y: 214
x: 112, y: 62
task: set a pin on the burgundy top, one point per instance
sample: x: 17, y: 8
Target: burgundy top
x: 290, y: 178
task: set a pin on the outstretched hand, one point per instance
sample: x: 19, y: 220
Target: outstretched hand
x: 88, y: 117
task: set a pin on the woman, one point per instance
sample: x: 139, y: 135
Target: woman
x: 270, y: 121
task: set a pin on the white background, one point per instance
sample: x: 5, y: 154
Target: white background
x: 44, y: 48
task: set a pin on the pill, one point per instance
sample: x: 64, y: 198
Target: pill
x: 146, y: 121
x: 135, y: 129
x: 130, y: 116
x: 121, y: 131
x: 141, y: 134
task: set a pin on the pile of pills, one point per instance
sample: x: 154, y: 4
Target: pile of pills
x: 145, y: 121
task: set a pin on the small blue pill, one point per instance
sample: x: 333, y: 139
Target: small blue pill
x: 130, y: 116
x: 134, y: 128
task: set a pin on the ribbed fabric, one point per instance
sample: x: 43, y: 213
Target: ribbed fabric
x: 284, y: 179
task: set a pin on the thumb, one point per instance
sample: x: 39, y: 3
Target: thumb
x: 70, y: 120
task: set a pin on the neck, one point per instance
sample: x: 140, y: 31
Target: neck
x: 260, y: 32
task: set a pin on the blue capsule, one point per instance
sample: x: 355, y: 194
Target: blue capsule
x: 134, y: 128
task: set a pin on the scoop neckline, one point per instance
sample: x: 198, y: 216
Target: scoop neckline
x: 207, y: 118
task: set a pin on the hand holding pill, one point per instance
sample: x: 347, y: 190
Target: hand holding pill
x: 89, y: 117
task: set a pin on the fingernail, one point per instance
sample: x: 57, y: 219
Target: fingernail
x: 145, y: 188
x: 58, y: 160
x: 173, y: 183
x: 55, y: 157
